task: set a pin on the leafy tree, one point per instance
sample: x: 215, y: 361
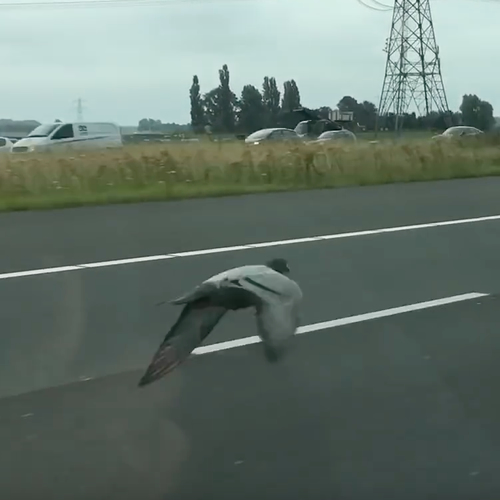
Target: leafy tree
x: 456, y: 118
x: 324, y: 112
x: 476, y: 112
x: 197, y: 111
x: 251, y: 115
x: 436, y: 120
x: 348, y: 103
x: 291, y: 96
x: 149, y: 125
x: 17, y: 127
x: 367, y: 115
x: 411, y: 121
x: 220, y: 105
x: 226, y: 102
x: 271, y: 101
x: 364, y: 113
x: 211, y: 107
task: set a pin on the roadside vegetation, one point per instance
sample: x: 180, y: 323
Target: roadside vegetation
x: 186, y: 169
x: 220, y: 165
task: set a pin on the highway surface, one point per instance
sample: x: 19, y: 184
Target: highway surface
x: 383, y: 403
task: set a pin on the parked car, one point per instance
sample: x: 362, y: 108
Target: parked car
x: 5, y: 145
x: 312, y: 124
x: 335, y: 135
x: 459, y: 131
x: 272, y: 134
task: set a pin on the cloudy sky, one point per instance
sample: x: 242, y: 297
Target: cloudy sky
x: 130, y: 62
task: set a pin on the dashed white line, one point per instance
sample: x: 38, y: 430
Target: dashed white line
x: 235, y: 248
x: 349, y: 320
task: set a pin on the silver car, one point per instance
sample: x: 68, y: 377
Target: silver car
x: 335, y: 135
x: 459, y: 131
x: 272, y: 134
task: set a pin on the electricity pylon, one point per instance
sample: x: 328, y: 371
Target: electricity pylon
x: 413, y: 68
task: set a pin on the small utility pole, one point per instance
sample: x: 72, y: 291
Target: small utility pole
x: 79, y: 109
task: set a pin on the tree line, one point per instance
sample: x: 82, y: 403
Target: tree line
x: 224, y: 112
x: 17, y: 127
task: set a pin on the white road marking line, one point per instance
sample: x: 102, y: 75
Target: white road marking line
x: 121, y: 262
x: 36, y: 272
x: 231, y: 344
x: 267, y: 244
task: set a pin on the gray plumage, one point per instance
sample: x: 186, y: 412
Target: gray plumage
x: 274, y: 296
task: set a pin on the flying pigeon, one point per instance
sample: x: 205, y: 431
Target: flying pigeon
x: 274, y: 296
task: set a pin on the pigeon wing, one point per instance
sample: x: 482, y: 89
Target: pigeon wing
x: 198, y: 293
x: 222, y: 280
x: 195, y: 323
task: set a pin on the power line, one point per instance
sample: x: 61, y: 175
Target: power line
x: 380, y: 7
x: 383, y: 7
x: 375, y: 5
x: 59, y: 4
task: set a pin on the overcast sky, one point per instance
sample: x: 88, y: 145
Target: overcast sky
x: 131, y: 62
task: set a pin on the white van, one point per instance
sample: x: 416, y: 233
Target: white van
x: 69, y: 137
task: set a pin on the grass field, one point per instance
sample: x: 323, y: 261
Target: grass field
x: 186, y: 170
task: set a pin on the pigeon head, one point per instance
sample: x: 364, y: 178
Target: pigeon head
x: 279, y: 265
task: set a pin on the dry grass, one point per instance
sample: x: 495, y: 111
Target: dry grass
x: 184, y: 170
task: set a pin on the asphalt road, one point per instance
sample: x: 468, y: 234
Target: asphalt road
x: 61, y: 237
x: 402, y: 407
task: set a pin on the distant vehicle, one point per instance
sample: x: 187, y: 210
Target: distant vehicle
x: 5, y: 145
x: 313, y: 124
x: 70, y: 136
x: 335, y: 135
x: 314, y: 128
x: 459, y: 131
x: 138, y: 137
x: 272, y: 134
